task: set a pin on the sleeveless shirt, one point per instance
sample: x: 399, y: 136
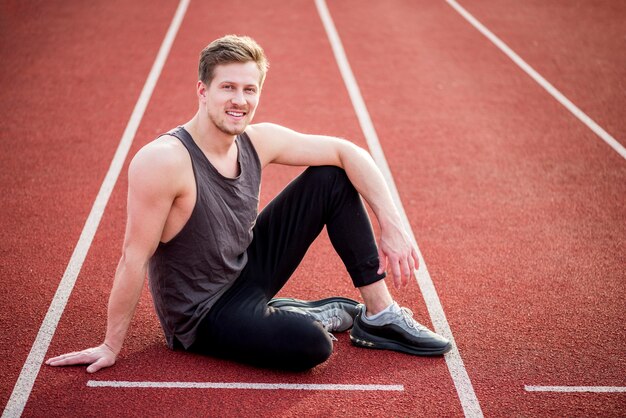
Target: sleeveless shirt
x: 191, y: 271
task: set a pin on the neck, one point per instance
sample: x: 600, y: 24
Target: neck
x: 208, y: 137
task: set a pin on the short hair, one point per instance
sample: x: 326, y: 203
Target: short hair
x: 231, y: 49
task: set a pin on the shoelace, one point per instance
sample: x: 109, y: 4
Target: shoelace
x: 407, y: 315
x: 331, y: 323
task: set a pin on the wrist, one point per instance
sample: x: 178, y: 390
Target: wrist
x: 391, y: 221
x: 110, y: 347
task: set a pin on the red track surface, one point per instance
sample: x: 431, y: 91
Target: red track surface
x: 518, y: 208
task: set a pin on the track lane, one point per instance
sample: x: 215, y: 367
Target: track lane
x: 458, y: 373
x: 578, y: 44
x: 311, y: 98
x: 516, y: 206
x: 462, y: 190
x: 57, y: 83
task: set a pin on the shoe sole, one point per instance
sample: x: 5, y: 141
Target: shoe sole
x: 377, y: 343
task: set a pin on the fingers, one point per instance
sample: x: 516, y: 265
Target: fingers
x: 401, y: 260
x: 59, y: 358
x: 407, y: 272
x: 396, y: 272
x: 415, y: 258
x: 96, y: 358
x: 100, y: 364
x: 63, y: 358
x: 382, y: 261
x: 402, y: 268
x: 70, y: 359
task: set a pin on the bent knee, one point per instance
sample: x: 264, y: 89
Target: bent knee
x: 310, y: 351
x: 326, y: 173
x: 329, y: 178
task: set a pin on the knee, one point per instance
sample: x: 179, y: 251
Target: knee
x: 314, y: 349
x: 329, y: 175
x: 326, y: 173
x: 319, y: 352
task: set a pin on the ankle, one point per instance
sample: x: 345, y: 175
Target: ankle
x: 371, y: 312
x: 376, y: 297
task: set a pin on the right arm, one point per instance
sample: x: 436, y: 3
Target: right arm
x: 152, y: 189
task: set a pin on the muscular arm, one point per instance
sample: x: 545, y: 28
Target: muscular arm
x: 276, y: 144
x: 151, y: 191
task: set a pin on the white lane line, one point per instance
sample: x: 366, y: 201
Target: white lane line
x: 30, y: 370
x: 240, y: 385
x: 591, y: 124
x: 464, y: 388
x: 576, y: 389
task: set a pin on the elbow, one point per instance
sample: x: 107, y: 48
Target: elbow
x: 350, y: 152
x: 132, y: 260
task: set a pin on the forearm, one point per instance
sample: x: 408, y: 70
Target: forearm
x: 370, y: 183
x: 123, y: 300
x: 396, y: 249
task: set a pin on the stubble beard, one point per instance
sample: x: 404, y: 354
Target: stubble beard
x: 222, y: 126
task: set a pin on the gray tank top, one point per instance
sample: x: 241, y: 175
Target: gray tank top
x: 191, y: 271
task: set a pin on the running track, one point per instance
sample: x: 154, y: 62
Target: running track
x: 517, y: 206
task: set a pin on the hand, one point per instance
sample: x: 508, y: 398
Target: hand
x: 397, y: 252
x: 97, y: 358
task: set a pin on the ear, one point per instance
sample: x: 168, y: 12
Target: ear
x: 201, y: 90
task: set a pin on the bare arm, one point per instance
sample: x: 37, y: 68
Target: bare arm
x: 276, y: 144
x: 151, y: 191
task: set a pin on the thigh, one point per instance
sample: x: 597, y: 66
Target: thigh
x: 286, y: 228
x: 284, y: 231
x: 243, y: 328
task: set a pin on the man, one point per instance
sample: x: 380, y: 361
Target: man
x: 214, y: 265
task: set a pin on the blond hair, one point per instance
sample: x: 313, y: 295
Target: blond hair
x: 231, y: 49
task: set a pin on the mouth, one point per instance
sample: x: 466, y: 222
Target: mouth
x: 236, y: 113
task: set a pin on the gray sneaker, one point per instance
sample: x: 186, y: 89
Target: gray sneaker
x: 336, y: 314
x: 398, y: 331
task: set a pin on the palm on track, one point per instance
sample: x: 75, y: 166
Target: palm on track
x: 96, y: 357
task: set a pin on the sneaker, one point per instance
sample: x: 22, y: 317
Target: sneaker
x: 397, y: 330
x: 336, y: 314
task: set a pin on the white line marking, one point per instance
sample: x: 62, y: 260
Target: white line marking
x: 464, y: 388
x: 605, y: 136
x: 30, y: 370
x: 240, y: 385
x: 573, y: 389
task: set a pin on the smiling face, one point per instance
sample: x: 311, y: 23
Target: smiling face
x: 232, y: 96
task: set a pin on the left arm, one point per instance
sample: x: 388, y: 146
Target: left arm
x: 279, y: 145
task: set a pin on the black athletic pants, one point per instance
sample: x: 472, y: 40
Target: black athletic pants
x: 240, y: 326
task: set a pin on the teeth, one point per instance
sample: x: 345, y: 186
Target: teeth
x: 237, y: 114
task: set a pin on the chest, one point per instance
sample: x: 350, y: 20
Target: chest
x: 226, y: 165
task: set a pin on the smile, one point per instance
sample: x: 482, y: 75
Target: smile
x: 235, y: 114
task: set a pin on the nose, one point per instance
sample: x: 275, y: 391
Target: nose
x: 238, y: 98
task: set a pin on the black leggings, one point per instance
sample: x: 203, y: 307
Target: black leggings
x: 240, y: 326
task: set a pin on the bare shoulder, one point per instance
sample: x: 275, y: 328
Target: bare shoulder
x: 160, y: 163
x: 267, y: 130
x: 165, y: 152
x: 268, y: 139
